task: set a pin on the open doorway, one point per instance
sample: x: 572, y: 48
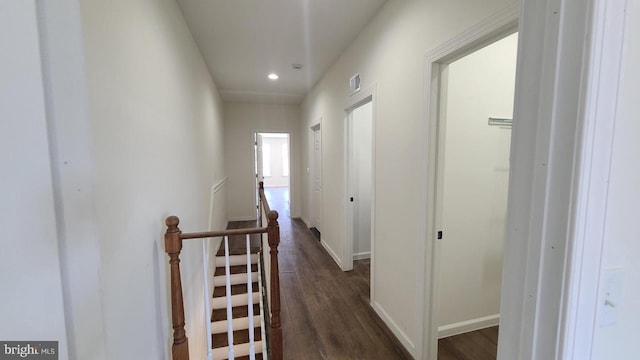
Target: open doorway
x: 476, y: 110
x: 273, y: 167
x: 316, y: 182
x: 359, y: 173
x: 359, y: 157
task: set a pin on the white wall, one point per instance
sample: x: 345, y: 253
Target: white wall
x: 31, y: 305
x: 476, y: 182
x: 621, y: 239
x: 157, y: 131
x: 361, y: 179
x: 241, y: 122
x: 389, y: 55
x: 73, y: 175
x: 277, y: 177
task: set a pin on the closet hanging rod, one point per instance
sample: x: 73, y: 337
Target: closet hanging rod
x: 500, y: 122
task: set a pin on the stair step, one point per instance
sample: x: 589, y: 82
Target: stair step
x: 236, y: 279
x: 239, y: 337
x: 236, y: 300
x: 218, y: 327
x: 220, y: 291
x: 238, y: 350
x: 237, y: 260
x: 237, y: 269
x: 236, y: 312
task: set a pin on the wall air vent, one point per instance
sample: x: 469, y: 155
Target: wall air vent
x: 354, y: 84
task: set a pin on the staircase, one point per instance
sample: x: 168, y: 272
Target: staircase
x: 240, y: 310
x: 245, y: 306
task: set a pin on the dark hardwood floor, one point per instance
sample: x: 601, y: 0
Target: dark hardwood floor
x: 475, y: 345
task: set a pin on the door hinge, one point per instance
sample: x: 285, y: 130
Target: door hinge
x: 439, y: 235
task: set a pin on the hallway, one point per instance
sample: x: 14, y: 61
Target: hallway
x: 325, y: 311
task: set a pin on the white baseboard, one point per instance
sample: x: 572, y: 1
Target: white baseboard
x: 305, y: 221
x: 362, y: 255
x: 241, y: 218
x: 331, y: 253
x: 395, y: 329
x: 467, y: 326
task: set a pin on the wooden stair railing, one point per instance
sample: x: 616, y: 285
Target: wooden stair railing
x: 273, y: 237
x: 173, y: 246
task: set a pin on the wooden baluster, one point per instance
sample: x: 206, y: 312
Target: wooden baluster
x: 273, y: 233
x: 173, y: 246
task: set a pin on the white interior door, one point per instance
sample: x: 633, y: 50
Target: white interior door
x: 317, y: 179
x: 258, y: 168
x: 259, y: 158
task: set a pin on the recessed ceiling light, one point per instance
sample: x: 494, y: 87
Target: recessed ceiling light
x: 273, y: 76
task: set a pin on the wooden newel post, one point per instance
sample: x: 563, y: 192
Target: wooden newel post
x: 273, y: 233
x: 173, y: 246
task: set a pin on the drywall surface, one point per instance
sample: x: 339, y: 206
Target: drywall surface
x: 73, y: 177
x: 476, y: 183
x: 360, y: 172
x: 277, y: 150
x: 622, y: 245
x: 157, y: 132
x: 31, y: 305
x: 242, y: 121
x: 388, y: 54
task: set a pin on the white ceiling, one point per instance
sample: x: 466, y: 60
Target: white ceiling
x: 243, y: 41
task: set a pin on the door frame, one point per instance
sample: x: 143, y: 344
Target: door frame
x: 362, y: 97
x: 496, y: 28
x: 312, y: 172
x: 440, y: 78
x: 254, y: 134
x: 566, y: 97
